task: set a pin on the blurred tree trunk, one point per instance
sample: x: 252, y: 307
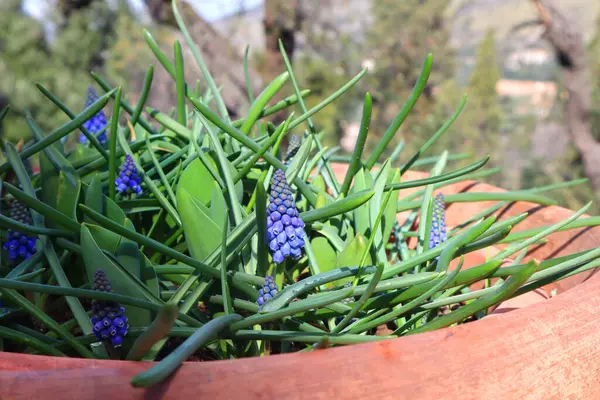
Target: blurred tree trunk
x: 282, y: 20
x: 569, y: 47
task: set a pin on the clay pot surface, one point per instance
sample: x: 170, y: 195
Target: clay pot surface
x: 533, y: 347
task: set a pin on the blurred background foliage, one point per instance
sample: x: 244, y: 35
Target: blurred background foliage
x: 493, y: 50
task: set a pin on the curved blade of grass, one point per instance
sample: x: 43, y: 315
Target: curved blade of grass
x: 360, y: 145
x: 89, y: 294
x: 143, y: 96
x: 251, y: 163
x: 500, y: 294
x: 406, y: 109
x: 234, y: 204
x: 261, y: 101
x: 169, y: 364
x: 435, y: 136
x: 159, y: 328
x: 180, y: 84
x: 484, y: 196
x: 297, y: 307
x: 247, y: 75
x: 518, y: 246
x: 439, y: 178
x: 149, y: 184
x: 29, y: 307
x: 30, y: 341
x: 112, y: 160
x: 394, y: 314
x: 9, y: 223
x: 335, y: 187
x: 586, y: 222
x: 227, y: 307
x: 107, y: 88
x: 262, y: 256
x: 252, y: 145
x: 357, y: 306
x: 90, y: 136
x: 466, y: 237
x: 275, y: 108
x: 292, y: 291
x: 339, y: 207
x: 331, y: 98
x: 200, y: 61
x: 160, y: 171
x: 64, y: 130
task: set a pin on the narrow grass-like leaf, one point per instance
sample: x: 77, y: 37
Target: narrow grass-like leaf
x: 339, y: 207
x: 497, y: 296
x: 169, y: 364
x: 360, y: 145
x: 406, y: 108
x: 435, y: 136
x: 112, y: 160
x: 159, y: 328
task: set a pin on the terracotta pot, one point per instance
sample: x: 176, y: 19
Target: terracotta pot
x: 535, y: 347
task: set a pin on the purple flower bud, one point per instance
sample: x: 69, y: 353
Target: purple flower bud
x: 108, y: 319
x: 284, y: 227
x: 437, y: 233
x: 19, y: 246
x: 128, y: 181
x: 268, y: 290
x: 97, y: 123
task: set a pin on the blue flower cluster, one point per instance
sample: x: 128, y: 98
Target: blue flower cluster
x: 285, y: 229
x: 108, y: 318
x: 97, y: 123
x: 128, y: 180
x: 19, y: 246
x: 267, y: 291
x: 292, y: 149
x: 437, y: 233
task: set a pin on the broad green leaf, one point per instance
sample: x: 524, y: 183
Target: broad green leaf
x: 104, y: 238
x: 375, y: 205
x: 362, y: 181
x: 95, y: 259
x: 350, y: 256
x: 324, y: 253
x: 196, y: 179
x: 202, y: 234
x: 389, y: 218
x: 93, y: 197
x: 218, y: 207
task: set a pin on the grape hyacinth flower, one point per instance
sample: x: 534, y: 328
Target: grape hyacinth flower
x: 20, y: 246
x: 128, y: 180
x: 97, y: 123
x: 292, y: 149
x: 437, y: 234
x: 267, y: 291
x: 285, y: 229
x: 108, y: 319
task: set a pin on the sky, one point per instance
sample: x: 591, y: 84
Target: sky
x: 209, y: 9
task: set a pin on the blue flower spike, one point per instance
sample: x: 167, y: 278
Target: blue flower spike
x: 108, y: 319
x: 292, y: 149
x: 128, y: 181
x: 437, y: 233
x: 97, y: 123
x: 267, y: 291
x: 19, y: 246
x: 285, y: 229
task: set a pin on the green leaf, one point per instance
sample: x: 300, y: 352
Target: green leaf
x: 196, y: 178
x: 362, y: 181
x: 202, y: 234
x: 95, y: 259
x: 324, y: 253
x: 93, y: 197
x: 218, y: 207
x: 351, y: 255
